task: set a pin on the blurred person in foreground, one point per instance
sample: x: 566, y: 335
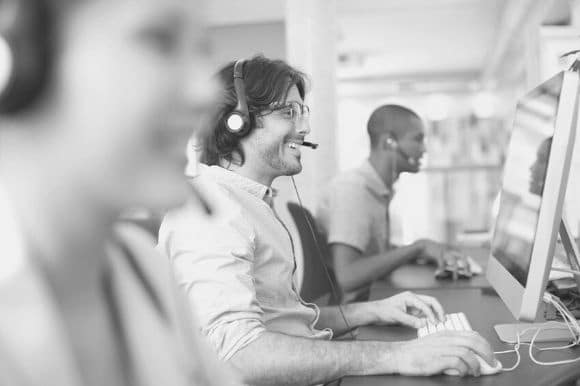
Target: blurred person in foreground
x: 353, y: 211
x: 238, y: 268
x: 97, y: 98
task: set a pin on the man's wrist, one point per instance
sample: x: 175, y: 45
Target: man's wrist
x: 418, y: 248
x: 363, y: 313
x: 374, y: 358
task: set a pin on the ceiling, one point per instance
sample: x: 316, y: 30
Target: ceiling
x: 410, y: 40
x: 415, y: 37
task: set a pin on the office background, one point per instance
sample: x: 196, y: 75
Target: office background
x: 461, y: 64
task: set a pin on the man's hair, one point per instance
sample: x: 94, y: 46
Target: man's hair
x: 266, y: 83
x: 388, y: 119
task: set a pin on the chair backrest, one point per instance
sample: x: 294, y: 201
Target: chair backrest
x: 315, y: 284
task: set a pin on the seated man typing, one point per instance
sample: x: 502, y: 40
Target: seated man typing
x: 354, y: 209
x: 238, y: 268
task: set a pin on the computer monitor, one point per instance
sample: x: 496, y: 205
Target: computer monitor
x: 532, y: 194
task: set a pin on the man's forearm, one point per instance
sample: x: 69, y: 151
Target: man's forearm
x: 368, y: 269
x: 278, y: 359
x: 356, y: 314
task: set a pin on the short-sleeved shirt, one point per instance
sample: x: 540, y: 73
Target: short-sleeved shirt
x: 353, y: 210
x: 237, y: 266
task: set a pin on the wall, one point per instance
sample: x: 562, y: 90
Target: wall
x: 229, y: 42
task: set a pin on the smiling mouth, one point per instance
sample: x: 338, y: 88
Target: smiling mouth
x: 295, y: 144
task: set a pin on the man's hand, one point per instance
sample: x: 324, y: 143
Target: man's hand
x: 439, y: 254
x: 441, y: 351
x: 406, y: 308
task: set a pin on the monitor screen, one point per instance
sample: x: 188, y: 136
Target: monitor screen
x: 524, y: 176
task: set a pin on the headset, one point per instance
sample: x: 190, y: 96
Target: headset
x: 394, y: 145
x: 392, y: 142
x: 25, y: 52
x: 238, y: 121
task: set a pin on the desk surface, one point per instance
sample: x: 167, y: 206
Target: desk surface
x: 483, y: 312
x: 422, y: 276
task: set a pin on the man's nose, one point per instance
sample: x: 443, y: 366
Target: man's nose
x: 303, y: 126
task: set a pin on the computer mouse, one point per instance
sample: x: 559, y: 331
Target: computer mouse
x: 484, y: 368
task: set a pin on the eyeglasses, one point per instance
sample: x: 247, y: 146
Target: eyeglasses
x: 292, y: 111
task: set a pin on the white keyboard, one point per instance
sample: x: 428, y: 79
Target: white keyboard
x: 458, y: 322
x: 453, y: 322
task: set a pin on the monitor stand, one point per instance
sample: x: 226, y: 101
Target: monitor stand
x: 552, y: 331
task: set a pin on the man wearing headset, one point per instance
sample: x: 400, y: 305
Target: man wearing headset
x: 238, y: 268
x: 354, y: 209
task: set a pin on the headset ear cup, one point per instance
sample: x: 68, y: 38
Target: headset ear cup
x: 26, y: 28
x: 392, y: 143
x: 6, y: 64
x: 236, y: 123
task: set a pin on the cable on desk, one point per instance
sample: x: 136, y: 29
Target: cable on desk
x: 571, y: 324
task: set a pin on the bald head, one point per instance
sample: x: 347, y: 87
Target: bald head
x: 389, y: 119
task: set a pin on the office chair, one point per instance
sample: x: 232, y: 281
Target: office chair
x: 315, y: 284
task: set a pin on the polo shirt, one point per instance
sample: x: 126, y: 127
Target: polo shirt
x: 353, y: 210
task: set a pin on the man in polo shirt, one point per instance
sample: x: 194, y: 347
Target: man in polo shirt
x: 354, y: 209
x: 238, y: 268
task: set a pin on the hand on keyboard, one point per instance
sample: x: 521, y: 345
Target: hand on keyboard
x: 406, y: 308
x: 450, y: 352
x: 463, y: 268
x: 456, y: 322
x: 451, y: 263
x: 452, y: 322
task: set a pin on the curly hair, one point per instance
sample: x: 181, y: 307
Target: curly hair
x: 266, y: 82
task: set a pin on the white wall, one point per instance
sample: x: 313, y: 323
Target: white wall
x: 229, y: 42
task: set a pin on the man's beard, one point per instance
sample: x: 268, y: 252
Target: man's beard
x: 271, y: 156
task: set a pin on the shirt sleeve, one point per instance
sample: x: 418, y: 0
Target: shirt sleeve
x: 213, y: 263
x: 347, y: 221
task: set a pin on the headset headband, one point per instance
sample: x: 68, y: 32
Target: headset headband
x: 238, y: 121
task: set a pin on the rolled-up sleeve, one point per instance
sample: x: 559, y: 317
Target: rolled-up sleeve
x: 213, y: 262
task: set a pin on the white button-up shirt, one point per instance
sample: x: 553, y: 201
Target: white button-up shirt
x: 237, y: 265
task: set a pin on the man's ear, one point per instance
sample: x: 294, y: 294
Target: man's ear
x: 256, y: 121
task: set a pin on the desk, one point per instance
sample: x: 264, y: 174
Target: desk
x: 414, y: 276
x: 483, y: 312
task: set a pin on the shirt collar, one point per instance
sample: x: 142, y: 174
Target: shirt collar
x: 373, y: 180
x: 230, y: 178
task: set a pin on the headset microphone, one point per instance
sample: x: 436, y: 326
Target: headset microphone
x: 311, y: 145
x: 407, y: 157
x: 392, y: 143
